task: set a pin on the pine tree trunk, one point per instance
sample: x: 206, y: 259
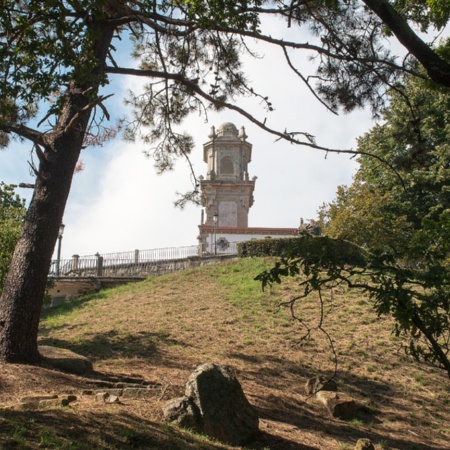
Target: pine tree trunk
x: 437, y: 67
x: 24, y: 288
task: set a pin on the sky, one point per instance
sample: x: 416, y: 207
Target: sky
x: 119, y: 203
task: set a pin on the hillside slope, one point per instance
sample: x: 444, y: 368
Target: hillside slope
x: 156, y: 332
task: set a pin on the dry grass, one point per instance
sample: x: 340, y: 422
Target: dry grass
x: 158, y: 331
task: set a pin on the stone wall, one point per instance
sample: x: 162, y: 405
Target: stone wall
x: 86, y: 281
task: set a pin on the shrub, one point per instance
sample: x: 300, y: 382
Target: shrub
x: 315, y: 249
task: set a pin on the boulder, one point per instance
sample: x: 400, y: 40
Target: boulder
x: 215, y: 405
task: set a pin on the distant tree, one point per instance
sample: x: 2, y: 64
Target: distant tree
x: 393, y: 208
x: 359, y: 215
x: 57, y: 57
x: 400, y: 214
x: 12, y: 213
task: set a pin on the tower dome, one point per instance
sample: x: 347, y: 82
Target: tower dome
x: 227, y: 129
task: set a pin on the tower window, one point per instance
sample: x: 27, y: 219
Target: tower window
x: 226, y: 166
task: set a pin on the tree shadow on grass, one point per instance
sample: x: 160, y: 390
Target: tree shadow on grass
x: 100, y: 430
x: 115, y: 345
x: 288, y: 403
x: 72, y: 305
x: 89, y: 430
x: 266, y: 441
x: 293, y: 412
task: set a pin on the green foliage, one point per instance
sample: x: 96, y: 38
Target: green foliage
x: 346, y: 81
x: 318, y: 249
x: 190, y: 51
x: 415, y: 139
x: 263, y: 247
x: 239, y: 14
x: 425, y: 13
x: 43, y: 46
x: 211, y: 66
x: 400, y: 208
x: 12, y: 212
x: 356, y: 214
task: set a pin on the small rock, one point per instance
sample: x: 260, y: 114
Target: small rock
x: 25, y: 406
x: 112, y: 399
x: 320, y: 383
x: 112, y: 391
x: 70, y: 397
x: 182, y: 411
x: 141, y: 393
x: 338, y: 405
x: 364, y: 444
x: 34, y: 401
x: 53, y: 403
x: 101, y: 397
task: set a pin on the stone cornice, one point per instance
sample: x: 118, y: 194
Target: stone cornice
x: 249, y: 230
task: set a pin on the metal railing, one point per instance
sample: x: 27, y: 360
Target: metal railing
x: 133, y: 263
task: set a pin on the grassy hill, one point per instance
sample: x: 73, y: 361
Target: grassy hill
x: 156, y: 332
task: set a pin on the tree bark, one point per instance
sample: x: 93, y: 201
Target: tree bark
x: 23, y: 294
x: 437, y: 68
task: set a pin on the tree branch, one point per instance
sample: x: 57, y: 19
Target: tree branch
x: 437, y: 68
x: 25, y: 132
x: 305, y: 80
x: 287, y: 136
x: 86, y: 110
x: 193, y: 86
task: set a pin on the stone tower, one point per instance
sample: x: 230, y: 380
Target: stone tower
x: 227, y: 190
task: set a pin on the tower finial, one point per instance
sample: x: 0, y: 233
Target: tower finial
x: 242, y: 134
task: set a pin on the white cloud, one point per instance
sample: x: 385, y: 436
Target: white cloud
x: 125, y: 205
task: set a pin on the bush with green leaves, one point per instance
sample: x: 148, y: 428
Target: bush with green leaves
x: 12, y: 212
x: 315, y: 248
